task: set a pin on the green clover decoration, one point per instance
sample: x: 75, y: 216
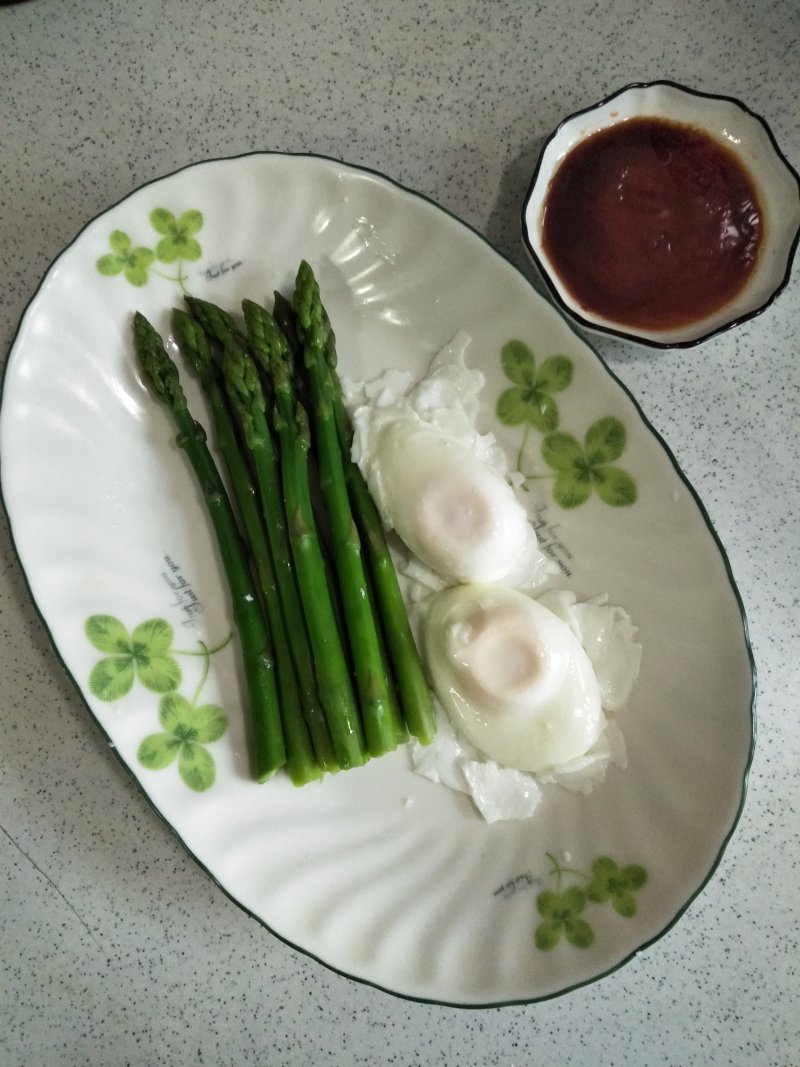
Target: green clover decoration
x: 617, y: 884
x: 142, y: 654
x: 562, y: 918
x: 530, y: 399
x: 578, y: 469
x: 124, y: 258
x: 178, y: 241
x: 186, y: 730
x: 178, y: 244
x: 561, y: 910
x: 147, y: 654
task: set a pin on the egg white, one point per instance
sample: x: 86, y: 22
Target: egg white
x: 512, y: 677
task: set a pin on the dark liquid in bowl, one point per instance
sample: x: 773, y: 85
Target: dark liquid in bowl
x: 652, y: 224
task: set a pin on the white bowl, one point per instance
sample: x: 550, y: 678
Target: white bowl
x: 728, y: 121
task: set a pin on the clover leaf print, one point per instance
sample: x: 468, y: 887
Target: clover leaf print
x: 178, y: 241
x: 583, y: 468
x: 123, y: 258
x: 147, y: 654
x: 561, y: 913
x: 178, y: 245
x: 186, y: 731
x: 576, y: 469
x: 617, y: 884
x: 562, y: 909
x: 530, y: 401
x: 142, y: 654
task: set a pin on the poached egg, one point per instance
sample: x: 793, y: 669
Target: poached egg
x: 437, y: 482
x: 512, y: 677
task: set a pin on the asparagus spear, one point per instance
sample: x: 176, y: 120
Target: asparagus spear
x: 283, y: 314
x: 161, y: 376
x: 215, y: 321
x: 373, y: 684
x: 304, y: 762
x: 335, y: 688
x: 220, y: 325
x: 409, y: 676
x: 271, y: 351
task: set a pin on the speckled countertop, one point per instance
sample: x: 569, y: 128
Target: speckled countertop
x: 115, y: 947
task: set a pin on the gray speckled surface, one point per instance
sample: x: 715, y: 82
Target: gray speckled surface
x: 116, y: 947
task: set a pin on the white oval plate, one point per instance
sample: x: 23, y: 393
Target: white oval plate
x: 378, y: 873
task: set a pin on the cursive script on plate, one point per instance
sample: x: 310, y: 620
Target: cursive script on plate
x: 184, y: 597
x: 549, y: 540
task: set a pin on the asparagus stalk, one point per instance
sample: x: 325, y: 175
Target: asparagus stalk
x: 389, y: 610
x: 305, y: 761
x: 409, y: 676
x: 373, y: 685
x: 412, y: 687
x: 161, y: 376
x: 335, y: 688
x: 283, y: 314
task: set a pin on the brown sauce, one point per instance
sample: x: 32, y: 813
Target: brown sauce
x: 652, y: 224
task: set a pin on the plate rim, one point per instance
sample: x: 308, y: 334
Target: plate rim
x: 400, y: 187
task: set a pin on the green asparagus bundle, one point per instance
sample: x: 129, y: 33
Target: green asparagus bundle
x: 308, y: 744
x: 161, y: 377
x: 285, y: 489
x: 373, y: 685
x: 342, y: 679
x: 415, y: 698
x: 382, y: 724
